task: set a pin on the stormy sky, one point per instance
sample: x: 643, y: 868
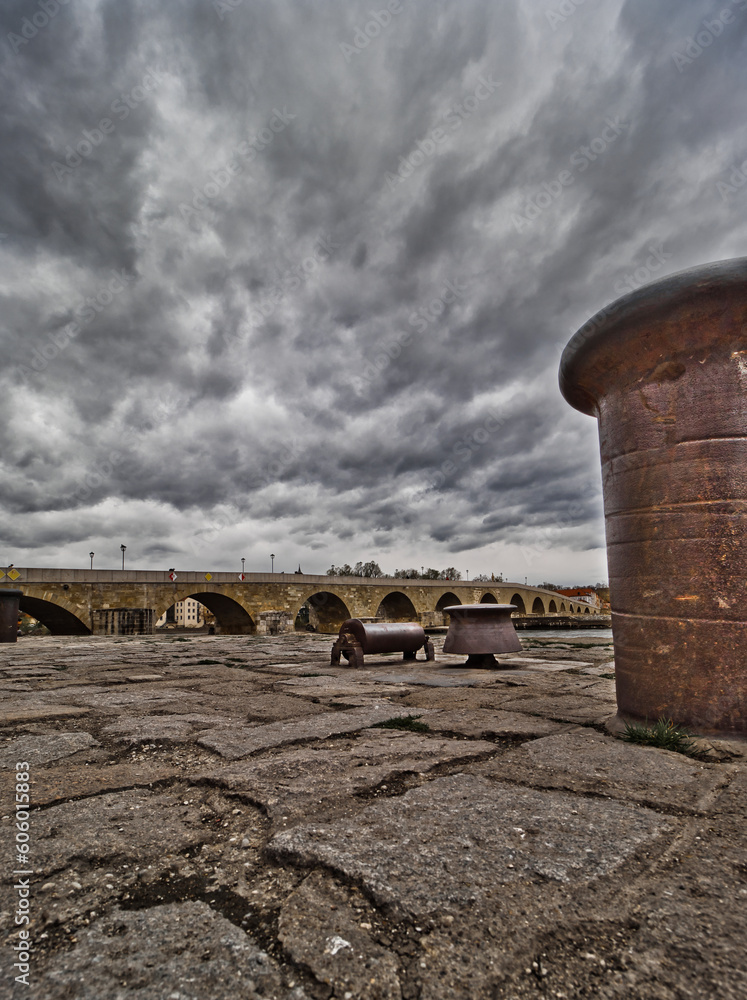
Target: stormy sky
x: 294, y: 277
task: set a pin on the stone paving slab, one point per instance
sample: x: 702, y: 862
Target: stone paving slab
x: 460, y: 837
x: 326, y: 686
x: 565, y: 708
x: 308, y: 779
x: 152, y: 953
x: 320, y: 929
x: 10, y: 714
x: 55, y: 784
x: 590, y: 762
x: 134, y: 824
x: 235, y: 742
x: 483, y: 723
x: 176, y: 728
x: 41, y: 748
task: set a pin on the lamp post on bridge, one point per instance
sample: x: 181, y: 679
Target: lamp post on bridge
x: 123, y: 547
x: 272, y: 562
x: 91, y: 554
x: 243, y: 560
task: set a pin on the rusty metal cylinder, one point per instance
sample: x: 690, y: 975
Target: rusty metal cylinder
x: 9, y: 600
x: 385, y: 637
x: 664, y: 371
x: 481, y: 629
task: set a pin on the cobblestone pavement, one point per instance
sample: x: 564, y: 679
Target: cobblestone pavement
x: 224, y: 816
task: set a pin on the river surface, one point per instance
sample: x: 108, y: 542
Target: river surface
x: 596, y: 636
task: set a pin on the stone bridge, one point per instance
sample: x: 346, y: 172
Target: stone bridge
x: 80, y: 602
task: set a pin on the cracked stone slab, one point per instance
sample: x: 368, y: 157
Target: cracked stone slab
x: 241, y: 742
x: 460, y: 838
x: 587, y: 761
x: 304, y: 780
x: 326, y: 686
x: 180, y: 950
x: 433, y: 678
x: 176, y: 728
x: 10, y: 714
x: 43, y: 748
x: 319, y: 929
x: 133, y: 824
x: 578, y: 707
x: 55, y: 784
x: 484, y: 723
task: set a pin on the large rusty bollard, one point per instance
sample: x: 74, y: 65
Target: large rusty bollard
x: 664, y: 370
x: 9, y: 614
x: 480, y: 630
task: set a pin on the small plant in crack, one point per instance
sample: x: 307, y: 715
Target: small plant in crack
x: 666, y: 735
x: 408, y: 722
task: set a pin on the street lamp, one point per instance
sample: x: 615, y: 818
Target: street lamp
x: 91, y: 554
x: 123, y: 547
x: 243, y: 560
x: 272, y: 562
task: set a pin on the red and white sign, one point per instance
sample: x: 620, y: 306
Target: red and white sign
x: 242, y: 577
x: 172, y: 575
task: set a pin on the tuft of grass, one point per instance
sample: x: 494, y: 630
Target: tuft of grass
x: 665, y: 735
x: 404, y: 722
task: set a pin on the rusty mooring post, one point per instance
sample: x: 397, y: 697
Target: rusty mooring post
x: 664, y: 370
x: 9, y: 614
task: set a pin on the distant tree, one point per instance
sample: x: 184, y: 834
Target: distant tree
x: 482, y: 578
x: 549, y: 586
x: 430, y: 574
x: 449, y: 574
x: 369, y: 569
x: 406, y: 574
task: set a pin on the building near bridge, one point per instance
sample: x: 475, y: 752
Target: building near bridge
x: 586, y: 594
x: 184, y: 614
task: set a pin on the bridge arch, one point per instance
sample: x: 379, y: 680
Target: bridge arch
x: 587, y: 610
x: 538, y: 607
x: 446, y: 599
x: 325, y: 610
x: 397, y: 607
x: 521, y: 608
x: 552, y: 607
x: 562, y: 605
x: 57, y: 618
x: 230, y: 616
x: 488, y: 599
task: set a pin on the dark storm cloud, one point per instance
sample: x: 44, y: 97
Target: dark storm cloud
x: 276, y: 271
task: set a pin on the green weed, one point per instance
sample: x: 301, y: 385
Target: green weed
x: 665, y: 735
